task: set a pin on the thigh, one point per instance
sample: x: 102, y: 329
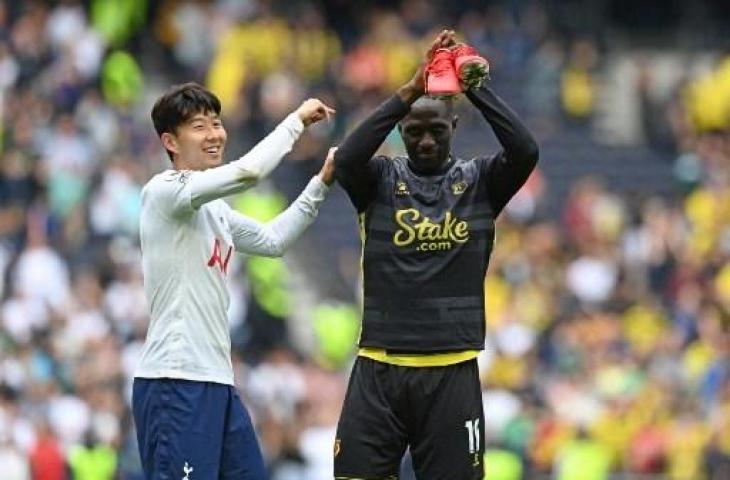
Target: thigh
x: 179, y: 428
x: 145, y: 408
x: 448, y: 429
x: 371, y: 435
x: 242, y: 458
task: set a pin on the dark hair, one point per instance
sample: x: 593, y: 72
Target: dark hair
x: 181, y: 103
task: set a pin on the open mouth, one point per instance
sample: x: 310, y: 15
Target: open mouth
x: 216, y: 150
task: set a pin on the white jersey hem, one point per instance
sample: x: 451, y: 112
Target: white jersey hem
x: 178, y: 375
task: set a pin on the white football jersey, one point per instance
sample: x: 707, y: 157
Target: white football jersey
x: 188, y: 235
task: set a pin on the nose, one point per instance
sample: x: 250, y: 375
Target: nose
x: 214, y: 135
x: 427, y: 142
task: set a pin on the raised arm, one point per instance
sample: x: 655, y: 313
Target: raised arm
x: 507, y: 171
x: 245, y: 172
x: 353, y: 168
x: 274, y: 238
x: 352, y: 161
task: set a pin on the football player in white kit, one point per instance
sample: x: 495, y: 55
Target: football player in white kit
x: 190, y: 420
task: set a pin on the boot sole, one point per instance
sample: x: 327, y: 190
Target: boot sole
x: 472, y: 70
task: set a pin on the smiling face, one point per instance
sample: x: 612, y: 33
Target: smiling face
x: 198, y: 143
x: 187, y: 119
x: 427, y: 132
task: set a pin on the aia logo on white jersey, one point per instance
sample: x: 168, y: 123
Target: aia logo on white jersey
x: 216, y: 257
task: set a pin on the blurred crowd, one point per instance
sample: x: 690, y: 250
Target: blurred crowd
x: 608, y: 348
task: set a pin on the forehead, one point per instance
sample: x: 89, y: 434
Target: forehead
x: 428, y: 110
x: 202, y: 115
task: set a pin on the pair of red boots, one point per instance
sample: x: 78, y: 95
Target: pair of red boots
x: 450, y: 69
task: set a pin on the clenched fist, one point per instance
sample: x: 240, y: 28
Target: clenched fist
x: 313, y: 110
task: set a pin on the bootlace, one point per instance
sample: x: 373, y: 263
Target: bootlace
x: 440, y: 63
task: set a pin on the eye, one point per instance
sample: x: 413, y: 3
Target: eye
x: 217, y: 124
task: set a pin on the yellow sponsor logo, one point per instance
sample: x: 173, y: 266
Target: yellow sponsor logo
x: 427, y: 235
x: 402, y: 189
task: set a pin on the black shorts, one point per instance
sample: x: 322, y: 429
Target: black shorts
x: 437, y: 411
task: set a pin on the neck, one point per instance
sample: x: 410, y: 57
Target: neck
x: 180, y: 164
x: 427, y: 169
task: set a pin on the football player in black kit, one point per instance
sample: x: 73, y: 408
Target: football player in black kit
x: 427, y: 222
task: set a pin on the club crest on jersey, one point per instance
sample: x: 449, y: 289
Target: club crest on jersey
x: 402, y: 189
x: 459, y: 187
x: 338, y: 447
x: 181, y: 176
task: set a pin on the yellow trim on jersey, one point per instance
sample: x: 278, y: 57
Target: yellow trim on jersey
x: 404, y: 360
x: 418, y: 359
x: 363, y: 237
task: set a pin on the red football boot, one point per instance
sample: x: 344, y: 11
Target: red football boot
x: 441, y: 79
x: 471, y: 68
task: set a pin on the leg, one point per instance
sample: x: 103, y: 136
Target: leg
x: 179, y: 428
x: 242, y: 458
x: 144, y: 406
x: 447, y: 441
x: 371, y: 435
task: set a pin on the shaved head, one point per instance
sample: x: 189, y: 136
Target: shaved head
x: 442, y: 106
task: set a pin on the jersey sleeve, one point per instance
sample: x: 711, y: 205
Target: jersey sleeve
x: 169, y: 193
x: 362, y: 189
x: 506, y: 172
x: 357, y: 171
x: 502, y: 178
x: 180, y: 192
x: 234, y: 177
x: 274, y: 238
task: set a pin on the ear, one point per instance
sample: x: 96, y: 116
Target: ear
x: 454, y: 121
x: 169, y: 142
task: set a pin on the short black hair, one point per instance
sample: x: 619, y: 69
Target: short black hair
x: 181, y: 103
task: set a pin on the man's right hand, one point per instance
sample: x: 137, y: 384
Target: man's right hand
x: 327, y: 172
x: 416, y: 86
x: 313, y: 110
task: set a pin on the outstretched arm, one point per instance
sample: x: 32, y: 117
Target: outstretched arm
x: 245, y: 172
x: 273, y: 239
x: 507, y: 171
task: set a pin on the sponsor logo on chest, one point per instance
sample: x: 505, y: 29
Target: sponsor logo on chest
x: 216, y: 258
x: 416, y: 229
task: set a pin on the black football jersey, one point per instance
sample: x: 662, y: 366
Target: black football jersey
x: 426, y: 246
